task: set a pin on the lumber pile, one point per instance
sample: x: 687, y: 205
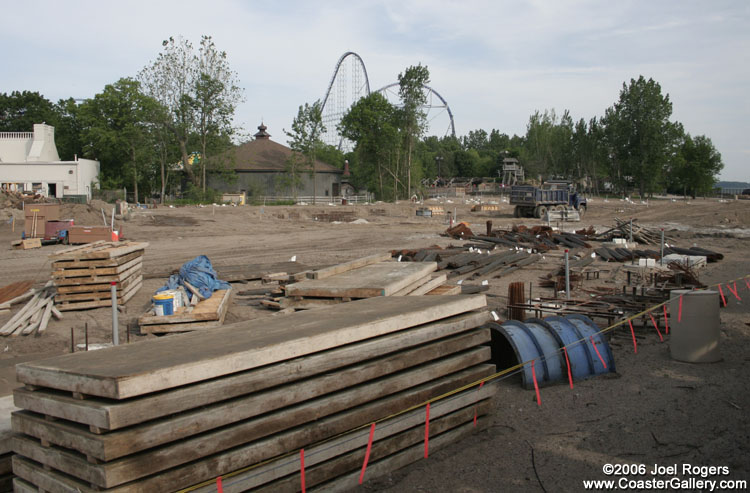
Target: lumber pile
x: 205, y: 314
x: 641, y: 234
x: 34, y: 316
x: 165, y: 414
x: 83, y: 274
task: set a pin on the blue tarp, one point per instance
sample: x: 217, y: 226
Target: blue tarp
x: 200, y: 274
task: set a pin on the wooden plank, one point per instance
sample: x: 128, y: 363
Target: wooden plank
x: 445, y: 290
x: 6, y: 464
x: 411, y: 287
x: 180, y: 328
x: 437, y: 280
x: 96, y: 271
x: 149, y: 366
x: 130, y: 292
x: 105, y: 250
x: 352, y: 386
x: 122, y: 290
x: 381, y: 279
x: 101, y: 287
x: 468, y: 401
x: 351, y: 265
x: 250, y: 452
x: 206, y: 310
x: 79, y: 281
x: 108, y: 414
x: 307, y: 303
x: 94, y: 263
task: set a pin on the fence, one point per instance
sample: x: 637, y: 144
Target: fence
x: 321, y: 200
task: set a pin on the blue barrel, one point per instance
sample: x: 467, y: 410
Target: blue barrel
x: 542, y: 340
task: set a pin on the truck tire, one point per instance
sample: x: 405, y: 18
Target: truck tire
x: 582, y: 210
x: 540, y: 211
x: 517, y: 211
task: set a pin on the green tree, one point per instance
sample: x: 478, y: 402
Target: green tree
x: 68, y: 130
x: 304, y: 137
x: 412, y: 95
x: 697, y: 166
x: 19, y: 111
x: 639, y: 134
x: 117, y: 130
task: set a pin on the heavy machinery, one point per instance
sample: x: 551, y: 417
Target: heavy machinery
x: 553, y: 195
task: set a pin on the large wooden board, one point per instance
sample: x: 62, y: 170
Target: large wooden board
x: 250, y: 453
x: 99, y: 279
x: 97, y: 250
x: 110, y: 415
x: 347, y: 266
x: 117, y: 444
x: 149, y: 366
x: 380, y: 279
x: 96, y: 271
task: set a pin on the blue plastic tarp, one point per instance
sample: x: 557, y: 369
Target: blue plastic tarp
x: 200, y: 274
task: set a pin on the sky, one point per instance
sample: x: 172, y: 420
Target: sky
x: 494, y: 62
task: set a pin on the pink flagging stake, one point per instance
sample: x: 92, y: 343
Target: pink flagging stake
x: 656, y: 326
x: 367, y: 453
x: 219, y: 486
x: 721, y: 292
x: 567, y: 363
x: 598, y: 353
x: 302, y: 469
x: 427, y: 431
x: 679, y: 309
x: 666, y: 320
x: 536, y: 385
x: 734, y: 291
x: 632, y: 332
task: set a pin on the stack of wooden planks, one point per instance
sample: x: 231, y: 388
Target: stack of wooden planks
x: 165, y: 414
x: 83, y: 274
x: 6, y: 442
x: 35, y: 314
x: 368, y: 277
x: 206, y: 314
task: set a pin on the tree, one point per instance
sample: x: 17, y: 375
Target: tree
x: 696, y: 167
x: 117, y: 130
x: 372, y: 124
x: 19, y: 111
x: 68, y: 130
x: 410, y: 85
x: 307, y: 127
x: 214, y: 99
x: 638, y: 134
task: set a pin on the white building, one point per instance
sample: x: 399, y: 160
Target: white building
x: 29, y: 162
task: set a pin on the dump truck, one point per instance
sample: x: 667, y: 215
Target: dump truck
x: 531, y: 201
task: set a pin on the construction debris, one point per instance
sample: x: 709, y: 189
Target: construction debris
x: 250, y: 394
x: 35, y: 315
x: 84, y: 274
x: 641, y: 234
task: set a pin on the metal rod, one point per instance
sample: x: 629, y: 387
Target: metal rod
x: 631, y: 230
x: 567, y: 275
x: 72, y: 341
x: 115, y: 335
x: 86, y: 334
x: 661, y: 259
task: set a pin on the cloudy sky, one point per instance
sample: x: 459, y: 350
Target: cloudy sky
x: 495, y: 62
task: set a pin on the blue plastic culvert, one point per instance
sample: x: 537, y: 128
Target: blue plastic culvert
x: 542, y: 340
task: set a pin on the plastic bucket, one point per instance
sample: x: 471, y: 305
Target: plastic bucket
x: 176, y: 298
x: 164, y: 304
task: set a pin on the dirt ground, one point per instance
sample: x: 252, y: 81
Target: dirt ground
x: 654, y: 410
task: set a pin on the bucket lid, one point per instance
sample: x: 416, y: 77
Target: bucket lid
x: 163, y: 296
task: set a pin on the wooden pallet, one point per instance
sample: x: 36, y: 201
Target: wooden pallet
x: 101, y: 301
x: 98, y: 250
x: 207, y: 314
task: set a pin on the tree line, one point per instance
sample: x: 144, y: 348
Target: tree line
x: 634, y: 146
x: 180, y: 107
x: 174, y: 119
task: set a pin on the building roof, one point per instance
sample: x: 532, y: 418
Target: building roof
x: 263, y: 154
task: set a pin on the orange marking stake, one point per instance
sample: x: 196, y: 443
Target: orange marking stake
x: 656, y: 327
x: 679, y: 309
x: 302, y: 469
x: 721, y: 292
x: 367, y: 453
x: 632, y: 332
x: 666, y: 320
x: 734, y: 291
x: 536, y: 385
x: 598, y: 353
x: 567, y: 362
x: 219, y: 486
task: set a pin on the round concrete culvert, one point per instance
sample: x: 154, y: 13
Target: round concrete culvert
x: 514, y: 342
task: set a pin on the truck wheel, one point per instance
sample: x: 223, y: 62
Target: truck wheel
x: 581, y: 210
x: 516, y: 211
x: 540, y: 211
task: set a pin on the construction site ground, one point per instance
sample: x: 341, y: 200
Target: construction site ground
x: 652, y: 411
